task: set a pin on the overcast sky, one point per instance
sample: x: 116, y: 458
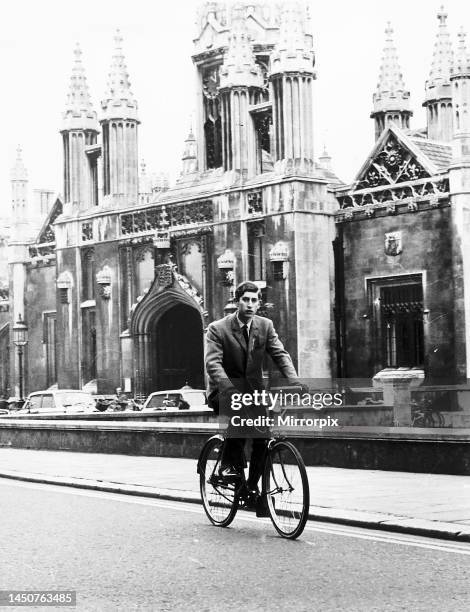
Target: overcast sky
x: 36, y: 47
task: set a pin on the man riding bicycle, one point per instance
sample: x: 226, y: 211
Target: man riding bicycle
x: 235, y: 349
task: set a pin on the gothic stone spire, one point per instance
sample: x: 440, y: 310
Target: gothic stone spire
x: 19, y: 172
x: 189, y: 154
x: 438, y: 96
x: 293, y: 52
x: 391, y: 91
x: 239, y: 68
x: 391, y: 99
x: 118, y: 102
x: 461, y: 65
x: 20, y: 214
x: 443, y: 55
x: 79, y: 113
x: 460, y: 82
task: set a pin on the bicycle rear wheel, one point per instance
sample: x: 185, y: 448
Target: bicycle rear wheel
x: 219, y: 498
x: 285, y: 484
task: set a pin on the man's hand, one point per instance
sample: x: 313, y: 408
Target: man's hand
x: 303, y: 388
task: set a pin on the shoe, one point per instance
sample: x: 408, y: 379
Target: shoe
x: 262, y: 509
x: 252, y: 497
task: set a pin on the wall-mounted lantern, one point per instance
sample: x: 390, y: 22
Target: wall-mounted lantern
x: 226, y: 265
x: 64, y: 285
x: 20, y: 340
x: 103, y: 280
x: 279, y: 258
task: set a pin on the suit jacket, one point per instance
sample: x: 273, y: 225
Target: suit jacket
x: 231, y: 364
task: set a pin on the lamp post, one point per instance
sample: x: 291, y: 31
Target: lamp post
x: 20, y: 339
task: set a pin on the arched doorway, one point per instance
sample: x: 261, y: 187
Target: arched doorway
x: 167, y: 334
x: 177, y: 348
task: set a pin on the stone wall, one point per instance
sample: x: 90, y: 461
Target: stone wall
x: 427, y: 249
x: 40, y: 291
x: 68, y: 323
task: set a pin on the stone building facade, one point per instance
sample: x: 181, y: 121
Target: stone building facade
x: 120, y: 281
x: 402, y: 245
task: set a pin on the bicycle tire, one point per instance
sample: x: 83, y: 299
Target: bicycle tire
x: 288, y: 506
x: 418, y: 420
x: 428, y: 421
x: 219, y: 499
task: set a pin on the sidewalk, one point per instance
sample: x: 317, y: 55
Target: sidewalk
x: 436, y: 505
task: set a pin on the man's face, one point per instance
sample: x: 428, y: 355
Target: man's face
x: 248, y: 305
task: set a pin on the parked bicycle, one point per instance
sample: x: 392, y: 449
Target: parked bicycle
x: 424, y: 414
x: 284, y: 487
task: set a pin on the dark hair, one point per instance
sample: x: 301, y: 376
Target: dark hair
x: 246, y: 286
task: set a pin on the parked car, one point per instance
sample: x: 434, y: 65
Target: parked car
x: 58, y: 401
x: 176, y: 399
x: 110, y: 403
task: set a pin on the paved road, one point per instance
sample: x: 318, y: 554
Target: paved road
x: 130, y: 553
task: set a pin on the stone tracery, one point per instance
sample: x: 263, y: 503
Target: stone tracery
x: 394, y: 164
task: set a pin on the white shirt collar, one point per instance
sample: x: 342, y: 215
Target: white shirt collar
x: 242, y: 325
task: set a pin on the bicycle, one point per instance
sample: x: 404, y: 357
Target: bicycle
x: 284, y: 487
x: 425, y: 415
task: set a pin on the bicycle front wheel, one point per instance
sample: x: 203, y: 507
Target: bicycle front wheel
x: 219, y: 498
x: 285, y: 484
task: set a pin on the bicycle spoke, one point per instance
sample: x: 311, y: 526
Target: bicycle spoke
x: 286, y: 486
x: 219, y: 499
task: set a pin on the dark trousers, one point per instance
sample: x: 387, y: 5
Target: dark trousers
x: 233, y: 454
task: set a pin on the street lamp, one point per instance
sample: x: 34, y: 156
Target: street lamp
x: 20, y: 339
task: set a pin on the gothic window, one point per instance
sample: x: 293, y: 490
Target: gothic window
x: 106, y: 168
x: 89, y: 352
x: 190, y: 260
x: 256, y: 251
x: 398, y: 304
x: 263, y: 62
x: 212, y: 118
x: 93, y: 170
x: 88, y: 274
x: 144, y: 268
x: 127, y: 284
x: 64, y: 295
x: 49, y: 340
x: 278, y: 270
x: 263, y: 124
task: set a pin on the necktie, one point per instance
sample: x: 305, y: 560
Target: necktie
x: 246, y: 335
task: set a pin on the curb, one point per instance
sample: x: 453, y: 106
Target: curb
x: 377, y: 521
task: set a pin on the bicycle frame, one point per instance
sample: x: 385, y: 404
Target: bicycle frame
x: 242, y: 486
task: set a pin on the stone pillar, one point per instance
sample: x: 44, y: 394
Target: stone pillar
x: 397, y: 386
x: 17, y: 258
x: 292, y: 116
x: 459, y: 187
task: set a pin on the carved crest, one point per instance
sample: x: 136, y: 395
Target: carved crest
x: 164, y: 274
x: 393, y: 243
